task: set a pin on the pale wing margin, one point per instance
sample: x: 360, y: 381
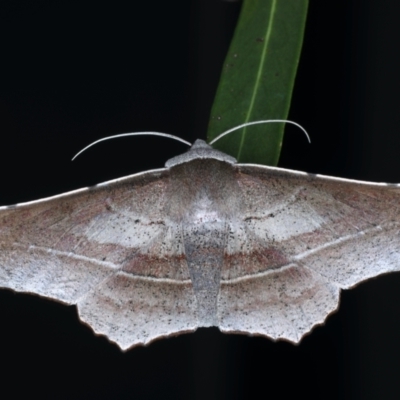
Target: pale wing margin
x: 63, y: 246
x: 107, y: 249
x: 345, y: 230
x: 334, y: 233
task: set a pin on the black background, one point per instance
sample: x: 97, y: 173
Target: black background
x: 73, y: 72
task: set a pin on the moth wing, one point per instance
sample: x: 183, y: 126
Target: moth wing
x: 109, y: 249
x: 301, y: 239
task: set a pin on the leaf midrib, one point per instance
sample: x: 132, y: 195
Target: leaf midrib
x: 267, y: 38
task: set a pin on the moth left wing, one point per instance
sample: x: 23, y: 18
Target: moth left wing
x: 111, y: 250
x: 302, y: 238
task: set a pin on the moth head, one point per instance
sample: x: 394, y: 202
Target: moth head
x: 200, y: 150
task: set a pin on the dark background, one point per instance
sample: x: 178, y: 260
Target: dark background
x: 75, y: 71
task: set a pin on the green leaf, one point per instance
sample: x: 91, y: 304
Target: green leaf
x: 257, y: 79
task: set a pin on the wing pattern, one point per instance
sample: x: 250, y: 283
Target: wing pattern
x: 109, y: 249
x: 302, y: 238
x: 248, y: 248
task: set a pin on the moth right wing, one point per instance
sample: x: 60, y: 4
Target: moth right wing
x: 301, y: 239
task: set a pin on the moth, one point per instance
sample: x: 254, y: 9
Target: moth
x: 203, y: 242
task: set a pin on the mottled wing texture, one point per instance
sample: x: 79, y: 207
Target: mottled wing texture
x: 111, y: 250
x: 300, y: 239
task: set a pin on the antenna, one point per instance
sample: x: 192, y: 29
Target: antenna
x: 267, y: 121
x: 132, y: 134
